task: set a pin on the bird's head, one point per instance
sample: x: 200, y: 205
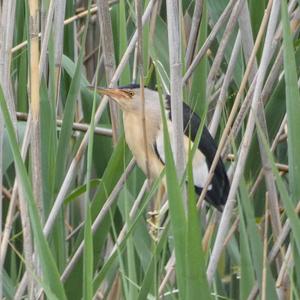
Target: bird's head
x: 129, y: 98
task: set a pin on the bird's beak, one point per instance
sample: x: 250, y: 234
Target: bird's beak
x: 111, y: 92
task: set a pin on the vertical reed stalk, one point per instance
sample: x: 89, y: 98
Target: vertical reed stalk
x: 176, y: 83
x: 35, y: 103
x: 34, y: 96
x: 109, y: 61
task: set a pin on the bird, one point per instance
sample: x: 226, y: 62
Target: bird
x: 129, y: 99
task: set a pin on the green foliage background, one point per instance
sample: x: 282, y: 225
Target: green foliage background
x: 124, y: 255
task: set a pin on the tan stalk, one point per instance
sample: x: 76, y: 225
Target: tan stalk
x: 34, y: 96
x: 109, y: 61
x: 34, y: 100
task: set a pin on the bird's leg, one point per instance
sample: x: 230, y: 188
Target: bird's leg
x: 154, y: 217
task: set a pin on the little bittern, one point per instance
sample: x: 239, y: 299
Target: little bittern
x: 129, y: 100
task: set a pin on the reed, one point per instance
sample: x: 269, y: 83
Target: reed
x: 76, y: 212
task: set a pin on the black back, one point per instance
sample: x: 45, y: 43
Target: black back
x: 217, y: 196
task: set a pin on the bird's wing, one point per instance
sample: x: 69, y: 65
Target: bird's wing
x: 200, y: 167
x: 219, y: 188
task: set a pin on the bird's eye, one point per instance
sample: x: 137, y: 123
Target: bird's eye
x: 131, y: 93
